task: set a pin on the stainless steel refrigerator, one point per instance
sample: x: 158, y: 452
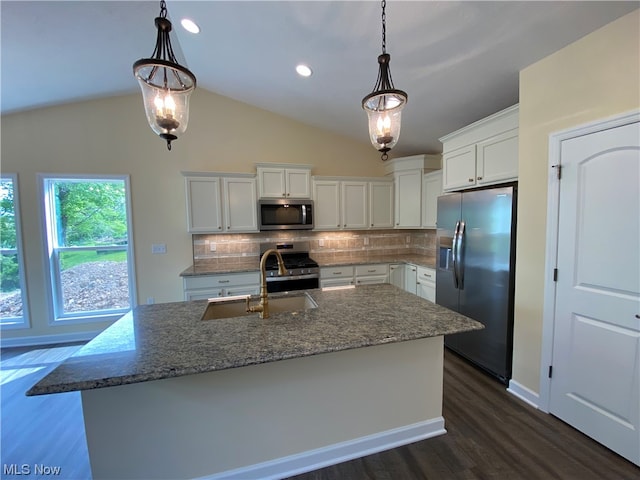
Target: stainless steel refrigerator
x: 475, y: 272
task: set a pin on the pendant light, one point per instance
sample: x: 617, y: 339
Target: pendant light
x: 384, y: 105
x: 166, y: 85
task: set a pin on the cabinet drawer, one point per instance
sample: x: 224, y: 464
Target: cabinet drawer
x: 336, y: 282
x: 336, y: 272
x: 372, y: 280
x: 365, y: 270
x: 225, y: 280
x: 426, y: 275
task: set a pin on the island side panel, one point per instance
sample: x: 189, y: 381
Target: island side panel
x: 213, y: 422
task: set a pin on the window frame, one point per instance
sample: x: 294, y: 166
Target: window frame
x: 11, y: 323
x: 55, y: 300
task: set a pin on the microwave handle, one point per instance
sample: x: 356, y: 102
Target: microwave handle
x: 304, y: 214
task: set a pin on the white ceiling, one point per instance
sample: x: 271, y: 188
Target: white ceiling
x: 458, y: 61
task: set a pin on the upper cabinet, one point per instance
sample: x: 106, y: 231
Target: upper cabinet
x: 431, y: 190
x: 408, y: 174
x: 381, y: 209
x: 221, y: 203
x: 283, y: 180
x: 483, y: 153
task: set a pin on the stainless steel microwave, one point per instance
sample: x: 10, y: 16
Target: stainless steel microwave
x: 285, y: 214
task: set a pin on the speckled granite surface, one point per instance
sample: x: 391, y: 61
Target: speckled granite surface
x: 328, y: 261
x: 169, y: 340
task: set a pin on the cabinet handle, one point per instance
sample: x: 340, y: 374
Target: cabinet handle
x: 220, y: 227
x: 397, y: 224
x: 471, y: 180
x: 223, y: 281
x: 337, y: 225
x: 284, y: 194
x: 345, y: 225
x: 372, y: 224
x: 479, y: 178
x: 337, y: 273
x: 371, y: 271
x: 426, y: 275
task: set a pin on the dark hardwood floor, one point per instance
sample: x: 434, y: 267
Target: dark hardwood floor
x: 491, y: 434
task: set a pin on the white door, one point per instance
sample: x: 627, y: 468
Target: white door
x: 595, y: 379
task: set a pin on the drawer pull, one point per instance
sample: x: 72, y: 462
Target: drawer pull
x: 223, y: 281
x: 337, y: 273
x: 471, y: 180
x: 479, y: 178
x: 371, y: 271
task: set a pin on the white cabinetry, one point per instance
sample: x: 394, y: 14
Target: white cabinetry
x: 372, y: 274
x: 483, y: 153
x: 284, y: 181
x: 407, y: 174
x: 218, y: 203
x: 431, y: 190
x: 410, y: 278
x: 381, y: 204
x: 396, y: 275
x: 345, y: 203
x: 426, y: 283
x: 202, y: 287
x: 336, y: 276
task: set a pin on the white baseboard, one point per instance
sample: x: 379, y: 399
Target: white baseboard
x: 336, y: 453
x: 523, y: 393
x: 47, y: 339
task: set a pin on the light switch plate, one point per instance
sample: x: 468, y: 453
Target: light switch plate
x: 157, y: 248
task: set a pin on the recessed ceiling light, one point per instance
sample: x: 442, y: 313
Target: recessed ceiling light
x: 189, y: 25
x: 303, y: 70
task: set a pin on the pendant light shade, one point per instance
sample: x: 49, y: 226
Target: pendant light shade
x: 384, y: 105
x: 166, y: 85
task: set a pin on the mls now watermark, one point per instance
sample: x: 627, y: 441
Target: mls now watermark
x: 27, y: 469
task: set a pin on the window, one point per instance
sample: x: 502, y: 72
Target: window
x: 13, y: 305
x: 87, y: 223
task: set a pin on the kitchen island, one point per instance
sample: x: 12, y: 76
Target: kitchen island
x: 249, y: 398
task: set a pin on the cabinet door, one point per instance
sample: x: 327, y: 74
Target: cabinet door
x: 272, y: 183
x: 354, y: 204
x: 459, y: 168
x: 204, y: 208
x: 410, y: 278
x: 408, y: 186
x: 396, y: 275
x: 498, y: 158
x: 241, y: 205
x: 326, y: 203
x: 298, y: 183
x: 381, y: 204
x: 431, y: 190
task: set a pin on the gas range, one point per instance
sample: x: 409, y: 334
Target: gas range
x: 302, y: 271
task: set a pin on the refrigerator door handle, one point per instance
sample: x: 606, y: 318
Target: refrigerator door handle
x: 454, y: 254
x: 459, y: 255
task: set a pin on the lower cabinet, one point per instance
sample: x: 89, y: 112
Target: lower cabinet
x: 336, y: 276
x: 426, y: 283
x: 396, y: 274
x: 202, y: 287
x: 372, y: 274
x: 410, y: 278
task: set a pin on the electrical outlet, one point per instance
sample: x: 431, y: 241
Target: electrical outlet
x: 158, y: 248
x: 321, y: 242
x: 408, y: 238
x: 366, y: 240
x: 212, y: 247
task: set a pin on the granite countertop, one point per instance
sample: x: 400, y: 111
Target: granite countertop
x: 159, y: 341
x: 323, y: 261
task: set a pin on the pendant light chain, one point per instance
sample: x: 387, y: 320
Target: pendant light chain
x: 163, y: 9
x: 384, y: 27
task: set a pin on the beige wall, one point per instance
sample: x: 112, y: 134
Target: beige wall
x: 111, y: 136
x: 593, y: 78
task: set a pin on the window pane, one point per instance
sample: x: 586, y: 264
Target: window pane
x: 89, y: 250
x: 94, y: 280
x: 90, y: 213
x: 10, y: 292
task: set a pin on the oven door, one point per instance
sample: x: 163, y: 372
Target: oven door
x: 288, y: 284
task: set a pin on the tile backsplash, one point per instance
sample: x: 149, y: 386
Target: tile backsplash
x: 208, y: 249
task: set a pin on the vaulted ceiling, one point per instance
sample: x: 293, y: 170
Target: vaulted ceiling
x: 458, y: 61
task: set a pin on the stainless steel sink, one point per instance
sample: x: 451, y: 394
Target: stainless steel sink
x: 238, y: 308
